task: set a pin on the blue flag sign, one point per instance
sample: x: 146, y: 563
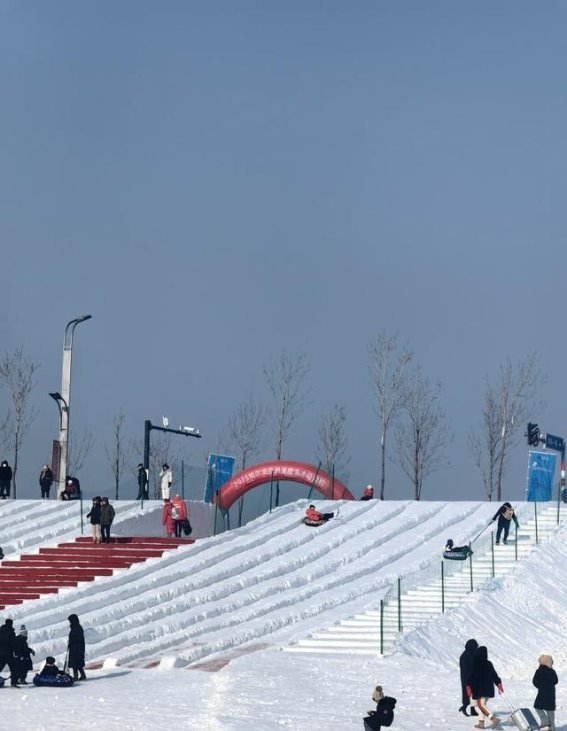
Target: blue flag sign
x: 219, y: 471
x: 541, y: 470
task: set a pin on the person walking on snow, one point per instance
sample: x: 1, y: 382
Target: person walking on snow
x: 505, y: 515
x: 7, y: 639
x: 545, y: 680
x: 480, y: 686
x: 465, y: 664
x: 167, y: 518
x: 22, y: 654
x: 166, y: 478
x: 76, y: 648
x: 368, y: 493
x: 45, y: 481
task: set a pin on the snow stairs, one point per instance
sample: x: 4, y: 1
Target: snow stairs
x: 374, y: 632
x: 55, y: 569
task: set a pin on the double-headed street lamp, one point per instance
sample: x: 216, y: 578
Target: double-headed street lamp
x: 63, y: 399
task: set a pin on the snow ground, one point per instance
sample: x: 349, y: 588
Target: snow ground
x: 254, y: 590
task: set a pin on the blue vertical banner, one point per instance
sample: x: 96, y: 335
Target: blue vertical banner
x: 219, y: 471
x: 541, y: 470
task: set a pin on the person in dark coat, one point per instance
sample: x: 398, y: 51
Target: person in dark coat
x: 480, y: 686
x: 50, y: 669
x: 7, y: 637
x: 107, y: 514
x: 384, y: 713
x: 76, y: 648
x: 545, y: 680
x: 72, y: 490
x: 466, y: 664
x: 22, y: 654
x: 45, y: 481
x: 142, y: 483
x: 505, y: 515
x: 94, y: 515
x: 5, y: 480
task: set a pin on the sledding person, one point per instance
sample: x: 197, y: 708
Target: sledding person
x: 368, y: 493
x: 94, y: 516
x: 505, y: 515
x: 480, y: 686
x: 45, y: 481
x: 165, y: 480
x: 22, y: 654
x: 465, y: 664
x: 178, y: 514
x: 545, y: 680
x: 50, y: 675
x: 76, y: 648
x: 7, y: 637
x: 50, y: 669
x: 167, y: 518
x: 142, y: 483
x: 312, y: 514
x: 384, y: 713
x: 107, y: 514
x: 459, y: 553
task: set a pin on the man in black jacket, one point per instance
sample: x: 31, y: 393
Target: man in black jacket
x: 5, y: 480
x: 505, y: 515
x: 7, y: 639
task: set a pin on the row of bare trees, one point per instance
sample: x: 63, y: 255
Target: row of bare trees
x: 406, y: 402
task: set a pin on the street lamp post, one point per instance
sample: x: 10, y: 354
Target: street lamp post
x: 64, y: 399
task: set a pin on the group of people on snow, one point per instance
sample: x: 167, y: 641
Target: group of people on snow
x: 101, y: 516
x: 17, y: 654
x: 175, y: 517
x: 479, y: 679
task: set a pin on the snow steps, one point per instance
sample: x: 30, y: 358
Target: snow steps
x: 374, y: 632
x: 64, y: 566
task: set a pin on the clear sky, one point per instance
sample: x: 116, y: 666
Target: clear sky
x: 217, y: 181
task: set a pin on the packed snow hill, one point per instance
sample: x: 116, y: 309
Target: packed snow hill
x: 197, y: 637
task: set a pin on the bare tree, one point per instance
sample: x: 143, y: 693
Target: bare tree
x: 286, y: 381
x: 422, y: 435
x: 508, y: 400
x: 333, y: 444
x: 120, y: 453
x: 245, y: 430
x: 78, y: 450
x: 17, y: 372
x: 388, y: 366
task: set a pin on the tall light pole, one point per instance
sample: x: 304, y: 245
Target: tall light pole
x: 64, y: 399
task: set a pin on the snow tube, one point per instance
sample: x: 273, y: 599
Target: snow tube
x: 53, y: 681
x: 458, y: 554
x: 314, y: 523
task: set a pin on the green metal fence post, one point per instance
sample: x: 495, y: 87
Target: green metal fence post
x: 516, y: 541
x: 492, y: 551
x: 381, y: 626
x: 399, y: 604
x: 81, y: 508
x: 536, y: 527
x: 471, y: 573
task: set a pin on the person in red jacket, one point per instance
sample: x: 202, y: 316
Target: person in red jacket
x: 167, y: 518
x: 312, y: 514
x: 179, y: 514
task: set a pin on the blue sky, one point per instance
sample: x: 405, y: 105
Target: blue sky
x: 217, y: 181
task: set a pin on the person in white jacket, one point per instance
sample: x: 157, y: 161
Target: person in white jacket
x: 166, y: 478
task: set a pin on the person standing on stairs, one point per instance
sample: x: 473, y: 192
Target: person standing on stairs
x: 76, y: 648
x: 466, y: 664
x: 95, y: 516
x: 5, y: 480
x: 480, y: 686
x: 167, y: 518
x: 166, y: 479
x: 179, y: 514
x: 45, y: 481
x: 505, y: 515
x: 107, y: 514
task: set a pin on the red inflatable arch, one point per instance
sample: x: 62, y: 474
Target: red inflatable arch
x: 282, y: 471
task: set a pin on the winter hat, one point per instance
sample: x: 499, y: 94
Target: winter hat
x: 23, y: 630
x: 49, y: 660
x: 104, y: 500
x: 73, y: 619
x: 9, y: 622
x: 449, y: 543
x: 545, y: 660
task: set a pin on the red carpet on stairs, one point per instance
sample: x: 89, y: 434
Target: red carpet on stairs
x: 69, y: 563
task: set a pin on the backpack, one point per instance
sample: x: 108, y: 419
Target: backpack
x: 175, y: 513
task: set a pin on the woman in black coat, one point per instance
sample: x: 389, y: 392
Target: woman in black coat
x: 545, y: 680
x: 76, y: 648
x: 466, y: 664
x: 480, y: 686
